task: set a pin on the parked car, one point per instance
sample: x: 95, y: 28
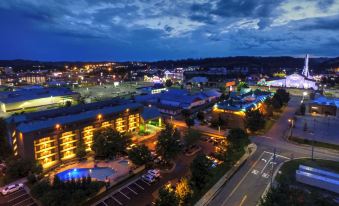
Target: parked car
x: 148, y: 178
x: 12, y: 188
x: 155, y: 173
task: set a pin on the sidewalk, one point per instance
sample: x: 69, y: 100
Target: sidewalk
x: 215, y: 188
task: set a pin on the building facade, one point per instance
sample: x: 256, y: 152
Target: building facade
x: 53, y: 140
x: 233, y: 111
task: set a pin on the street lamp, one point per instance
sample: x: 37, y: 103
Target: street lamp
x: 291, y: 122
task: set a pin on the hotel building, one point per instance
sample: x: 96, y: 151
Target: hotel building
x: 51, y: 137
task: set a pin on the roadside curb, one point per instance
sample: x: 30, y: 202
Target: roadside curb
x: 213, y: 191
x: 169, y: 170
x: 194, y: 152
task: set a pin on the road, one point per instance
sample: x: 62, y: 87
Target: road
x: 248, y: 184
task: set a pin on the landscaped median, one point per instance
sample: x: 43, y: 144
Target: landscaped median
x: 314, y: 143
x: 286, y: 190
x: 222, y: 178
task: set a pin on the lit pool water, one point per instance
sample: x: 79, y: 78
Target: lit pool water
x: 100, y: 173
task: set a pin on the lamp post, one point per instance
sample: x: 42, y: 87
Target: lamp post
x: 304, y: 94
x: 291, y: 124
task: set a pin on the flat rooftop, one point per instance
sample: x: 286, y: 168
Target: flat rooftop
x: 326, y: 101
x: 34, y: 93
x: 67, y: 119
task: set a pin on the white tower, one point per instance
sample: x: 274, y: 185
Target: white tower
x: 305, y: 71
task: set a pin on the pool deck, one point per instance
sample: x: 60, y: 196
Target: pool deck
x: 119, y: 168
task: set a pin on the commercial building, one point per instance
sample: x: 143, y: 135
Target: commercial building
x: 324, y: 106
x: 174, y: 101
x: 294, y: 81
x: 51, y: 137
x: 177, y: 75
x: 303, y: 81
x: 35, y: 98
x: 32, y: 78
x: 233, y: 110
x: 155, y: 89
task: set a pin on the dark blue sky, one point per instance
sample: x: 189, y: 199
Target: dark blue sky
x: 166, y: 29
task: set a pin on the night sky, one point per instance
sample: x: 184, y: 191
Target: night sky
x: 119, y: 30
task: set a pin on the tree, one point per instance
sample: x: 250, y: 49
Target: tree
x: 254, y: 120
x: 200, y: 171
x: 302, y: 109
x: 5, y: 149
x: 19, y: 167
x: 218, y: 122
x: 191, y: 136
x: 168, y: 143
x: 68, y: 103
x: 241, y: 85
x: 189, y: 122
x: 186, y: 113
x: 108, y: 143
x: 140, y: 155
x: 283, y: 95
x: 167, y: 197
x: 168, y: 83
x: 267, y: 108
x: 183, y: 191
x: 276, y: 102
x: 201, y: 116
x: 237, y: 139
x: 81, y: 149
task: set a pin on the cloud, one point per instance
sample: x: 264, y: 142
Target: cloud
x: 174, y: 28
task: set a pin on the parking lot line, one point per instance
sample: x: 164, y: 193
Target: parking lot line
x: 104, y: 203
x: 115, y: 199
x: 145, y: 182
x: 19, y: 203
x: 19, y: 197
x: 139, y: 185
x: 124, y: 195
x: 13, y: 193
x: 132, y: 190
x: 33, y: 203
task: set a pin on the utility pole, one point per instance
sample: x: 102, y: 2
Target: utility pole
x: 312, y: 153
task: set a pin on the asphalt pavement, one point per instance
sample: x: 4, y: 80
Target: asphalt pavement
x: 248, y: 184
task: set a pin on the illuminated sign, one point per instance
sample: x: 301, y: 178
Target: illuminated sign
x: 228, y: 84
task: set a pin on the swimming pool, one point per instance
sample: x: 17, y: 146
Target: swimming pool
x: 99, y: 173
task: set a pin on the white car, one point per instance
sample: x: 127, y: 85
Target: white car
x: 154, y: 173
x: 148, y: 178
x: 12, y: 188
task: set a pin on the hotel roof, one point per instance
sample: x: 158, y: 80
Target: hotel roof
x: 66, y: 119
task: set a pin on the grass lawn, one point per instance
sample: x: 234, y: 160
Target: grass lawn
x: 291, y: 192
x: 315, y: 143
x: 269, y: 123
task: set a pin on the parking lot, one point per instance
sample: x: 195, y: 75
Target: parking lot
x: 18, y: 198
x: 123, y: 195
